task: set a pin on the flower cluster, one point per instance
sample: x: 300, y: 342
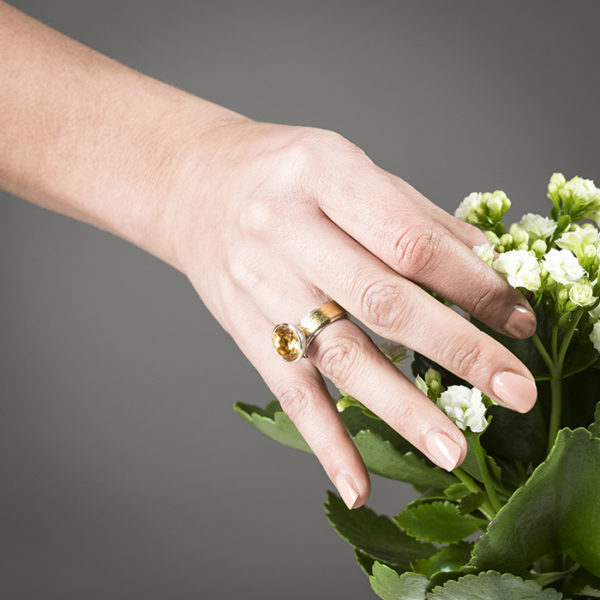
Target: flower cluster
x: 483, y: 210
x: 553, y: 257
x: 578, y: 197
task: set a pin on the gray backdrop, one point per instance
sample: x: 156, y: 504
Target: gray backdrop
x: 124, y: 472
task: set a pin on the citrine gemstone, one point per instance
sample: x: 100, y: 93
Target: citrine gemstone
x: 287, y: 343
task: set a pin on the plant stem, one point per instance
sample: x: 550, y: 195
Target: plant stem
x: 535, y: 338
x: 485, y: 474
x: 568, y: 335
x: 486, y: 507
x: 554, y: 346
x: 556, y: 383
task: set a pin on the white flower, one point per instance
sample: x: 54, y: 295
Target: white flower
x: 468, y: 206
x: 581, y: 241
x: 582, y: 294
x: 537, y: 226
x: 521, y: 268
x: 464, y: 406
x: 485, y: 253
x: 595, y: 335
x: 563, y: 266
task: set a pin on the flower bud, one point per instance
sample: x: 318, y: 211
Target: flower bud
x: 421, y: 385
x: 519, y: 235
x: 556, y: 182
x: 562, y: 299
x: 506, y: 241
x: 539, y: 248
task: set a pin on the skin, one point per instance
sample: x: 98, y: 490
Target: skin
x: 268, y: 222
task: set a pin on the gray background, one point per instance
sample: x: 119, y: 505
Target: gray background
x: 124, y: 472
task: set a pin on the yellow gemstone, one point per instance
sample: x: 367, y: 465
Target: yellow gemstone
x: 286, y: 343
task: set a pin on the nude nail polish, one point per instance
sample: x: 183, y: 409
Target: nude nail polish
x: 347, y: 490
x: 521, y: 323
x: 514, y: 390
x: 444, y: 450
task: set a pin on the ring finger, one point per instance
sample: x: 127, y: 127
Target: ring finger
x: 348, y: 357
x: 303, y: 396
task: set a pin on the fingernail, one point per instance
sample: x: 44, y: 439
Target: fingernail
x: 514, y: 390
x: 347, y: 490
x: 444, y: 450
x: 521, y: 323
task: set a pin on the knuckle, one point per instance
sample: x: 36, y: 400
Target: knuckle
x: 382, y: 306
x: 466, y: 359
x: 485, y: 299
x: 416, y: 248
x: 260, y: 214
x: 315, y: 151
x: 340, y: 357
x: 298, y: 400
x: 401, y: 414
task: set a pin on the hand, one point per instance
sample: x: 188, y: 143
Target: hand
x: 281, y: 219
x: 268, y: 222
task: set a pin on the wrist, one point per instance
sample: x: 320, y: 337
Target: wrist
x: 175, y: 153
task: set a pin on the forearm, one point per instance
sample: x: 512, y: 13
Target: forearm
x: 88, y: 137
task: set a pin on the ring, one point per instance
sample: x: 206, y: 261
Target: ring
x: 291, y: 342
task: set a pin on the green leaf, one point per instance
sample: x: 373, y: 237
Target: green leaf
x: 365, y: 562
x: 451, y: 558
x: 375, y: 535
x: 456, y: 491
x: 383, y: 450
x: 383, y: 459
x: 471, y: 502
x: 555, y: 511
x: 387, y: 584
x: 492, y: 586
x: 438, y: 522
x: 273, y: 422
x: 517, y: 436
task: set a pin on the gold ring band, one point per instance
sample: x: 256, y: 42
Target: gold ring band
x: 291, y: 342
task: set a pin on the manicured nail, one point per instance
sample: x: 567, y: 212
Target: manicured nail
x: 347, y: 490
x: 521, y: 323
x: 444, y: 450
x: 514, y: 390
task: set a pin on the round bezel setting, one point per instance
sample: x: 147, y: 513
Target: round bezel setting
x: 289, y: 342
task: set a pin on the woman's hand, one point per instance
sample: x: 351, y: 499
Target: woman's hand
x: 268, y: 222
x: 281, y: 219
